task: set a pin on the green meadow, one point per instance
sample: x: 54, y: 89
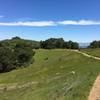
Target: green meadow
x: 57, y: 74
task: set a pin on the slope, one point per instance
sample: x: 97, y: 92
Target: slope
x: 57, y: 74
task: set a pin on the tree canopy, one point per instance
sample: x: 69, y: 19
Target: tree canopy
x: 54, y: 43
x: 95, y: 44
x: 14, y: 56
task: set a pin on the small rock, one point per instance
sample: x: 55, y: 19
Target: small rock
x: 73, y: 72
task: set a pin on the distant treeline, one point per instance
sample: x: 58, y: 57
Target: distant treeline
x: 54, y: 43
x: 95, y: 44
x: 51, y: 43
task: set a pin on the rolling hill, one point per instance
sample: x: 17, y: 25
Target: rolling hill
x: 57, y: 74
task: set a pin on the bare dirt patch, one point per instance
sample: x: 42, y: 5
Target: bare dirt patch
x: 12, y: 86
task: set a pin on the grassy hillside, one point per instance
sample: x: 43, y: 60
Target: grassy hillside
x: 56, y: 74
x: 94, y: 52
x: 16, y: 40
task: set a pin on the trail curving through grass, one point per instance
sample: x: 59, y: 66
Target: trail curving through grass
x: 95, y: 91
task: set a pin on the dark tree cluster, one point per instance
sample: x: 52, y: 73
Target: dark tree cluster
x: 14, y: 56
x: 95, y: 44
x: 54, y: 43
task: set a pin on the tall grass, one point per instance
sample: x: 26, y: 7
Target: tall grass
x: 60, y: 75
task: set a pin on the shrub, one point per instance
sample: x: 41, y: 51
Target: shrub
x: 23, y: 56
x: 6, y: 59
x: 12, y: 58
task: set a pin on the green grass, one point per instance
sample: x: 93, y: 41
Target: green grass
x: 52, y: 70
x: 93, y: 52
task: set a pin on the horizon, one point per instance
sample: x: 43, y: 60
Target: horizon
x: 47, y: 39
x: 75, y: 20
x: 81, y: 44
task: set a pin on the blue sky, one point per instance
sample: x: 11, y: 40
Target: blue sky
x: 77, y: 20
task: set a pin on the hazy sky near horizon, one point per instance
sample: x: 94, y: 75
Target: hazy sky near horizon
x: 77, y: 20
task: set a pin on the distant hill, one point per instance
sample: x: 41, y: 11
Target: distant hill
x: 84, y: 45
x: 15, y: 40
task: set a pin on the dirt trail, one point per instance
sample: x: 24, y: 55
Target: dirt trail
x: 86, y: 55
x: 95, y: 92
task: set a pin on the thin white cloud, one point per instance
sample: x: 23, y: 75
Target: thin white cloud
x: 50, y: 23
x: 80, y: 22
x: 29, y: 23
